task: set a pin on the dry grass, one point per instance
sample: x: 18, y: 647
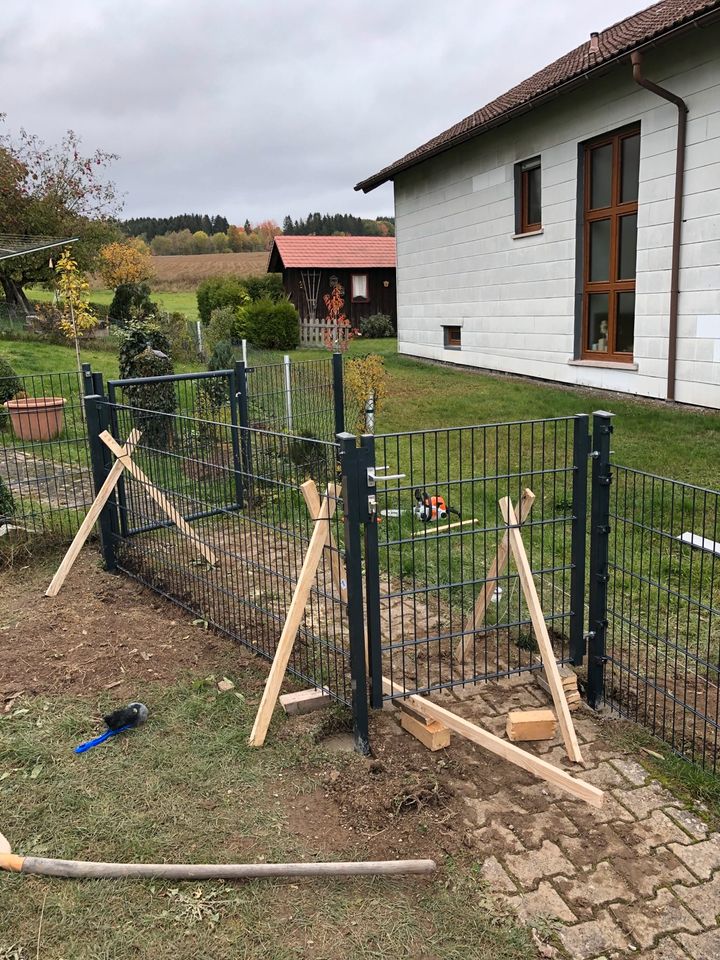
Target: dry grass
x: 186, y: 272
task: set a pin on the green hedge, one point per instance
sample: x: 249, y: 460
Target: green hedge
x: 217, y: 292
x: 272, y: 326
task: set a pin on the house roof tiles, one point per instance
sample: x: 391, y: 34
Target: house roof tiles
x: 610, y: 44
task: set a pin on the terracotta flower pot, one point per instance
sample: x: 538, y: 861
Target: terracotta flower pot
x: 36, y: 418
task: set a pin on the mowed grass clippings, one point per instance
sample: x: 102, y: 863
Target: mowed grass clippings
x: 186, y: 787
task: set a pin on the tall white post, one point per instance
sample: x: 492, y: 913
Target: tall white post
x: 200, y: 344
x: 244, y: 348
x: 288, y: 393
x: 370, y: 413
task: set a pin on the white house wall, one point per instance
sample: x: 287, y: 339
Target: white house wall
x: 458, y: 263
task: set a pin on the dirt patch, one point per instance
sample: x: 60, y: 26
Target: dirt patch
x: 99, y: 630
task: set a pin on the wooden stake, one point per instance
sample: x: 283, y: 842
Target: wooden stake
x: 332, y: 554
x: 436, y: 529
x: 541, y: 632
x: 299, y: 601
x: 158, y: 497
x: 502, y: 748
x: 91, y: 517
x: 497, y: 569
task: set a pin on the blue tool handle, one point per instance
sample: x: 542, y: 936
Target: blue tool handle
x: 101, y: 739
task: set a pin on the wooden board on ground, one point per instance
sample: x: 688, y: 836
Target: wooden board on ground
x: 541, y: 632
x: 431, y: 733
x: 531, y: 725
x: 502, y: 748
x: 305, y: 581
x: 305, y: 701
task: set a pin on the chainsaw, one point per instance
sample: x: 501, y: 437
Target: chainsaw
x: 431, y: 508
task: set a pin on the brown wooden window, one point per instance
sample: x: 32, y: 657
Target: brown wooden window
x: 611, y: 177
x: 528, y: 196
x: 452, y: 337
x: 359, y: 288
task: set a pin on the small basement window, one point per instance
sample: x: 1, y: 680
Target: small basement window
x: 528, y: 196
x: 359, y: 288
x: 452, y: 337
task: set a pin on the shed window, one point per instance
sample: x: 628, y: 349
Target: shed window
x: 528, y: 196
x: 359, y: 288
x: 452, y: 337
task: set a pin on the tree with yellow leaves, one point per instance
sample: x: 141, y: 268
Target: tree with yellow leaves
x: 128, y: 262
x: 72, y: 287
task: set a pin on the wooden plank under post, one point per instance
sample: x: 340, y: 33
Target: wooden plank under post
x: 305, y: 701
x: 541, y: 632
x: 431, y: 733
x: 531, y: 725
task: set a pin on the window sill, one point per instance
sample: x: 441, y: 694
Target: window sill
x: 448, y: 346
x: 530, y: 233
x: 607, y: 364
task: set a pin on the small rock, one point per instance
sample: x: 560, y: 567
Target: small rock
x: 225, y: 685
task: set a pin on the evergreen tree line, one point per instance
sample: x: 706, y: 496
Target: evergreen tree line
x: 334, y: 224
x: 150, y: 227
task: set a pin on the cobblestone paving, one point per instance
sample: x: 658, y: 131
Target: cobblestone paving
x: 53, y: 485
x: 638, y: 878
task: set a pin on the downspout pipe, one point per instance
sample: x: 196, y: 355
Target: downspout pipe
x: 636, y: 58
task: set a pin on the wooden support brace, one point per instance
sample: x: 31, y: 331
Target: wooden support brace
x: 91, y: 516
x: 497, y: 569
x: 332, y: 554
x: 304, y: 701
x: 541, y: 632
x: 314, y: 553
x: 157, y: 496
x: 531, y: 725
x: 502, y: 748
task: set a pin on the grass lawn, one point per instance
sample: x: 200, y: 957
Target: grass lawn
x: 183, y: 301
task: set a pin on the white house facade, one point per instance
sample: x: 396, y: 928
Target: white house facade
x: 543, y: 245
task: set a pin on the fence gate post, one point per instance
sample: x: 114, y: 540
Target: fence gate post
x: 97, y: 420
x: 372, y: 580
x: 581, y: 449
x: 355, y: 507
x: 235, y: 438
x: 87, y: 379
x: 338, y: 393
x: 599, y: 547
x: 241, y: 392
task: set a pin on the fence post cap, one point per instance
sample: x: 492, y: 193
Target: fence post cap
x: 602, y: 413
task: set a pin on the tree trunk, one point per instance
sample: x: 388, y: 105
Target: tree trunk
x: 15, y: 295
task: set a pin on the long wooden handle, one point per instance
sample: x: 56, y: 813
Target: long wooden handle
x: 217, y: 871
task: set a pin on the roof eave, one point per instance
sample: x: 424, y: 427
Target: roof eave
x: 378, y: 179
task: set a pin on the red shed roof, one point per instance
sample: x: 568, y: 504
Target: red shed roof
x: 610, y: 45
x: 332, y: 252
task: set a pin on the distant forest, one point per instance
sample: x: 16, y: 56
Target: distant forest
x: 331, y: 224
x: 195, y: 233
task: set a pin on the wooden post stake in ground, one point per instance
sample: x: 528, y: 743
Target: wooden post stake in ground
x: 91, y: 517
x: 159, y: 498
x: 541, y: 632
x: 318, y: 542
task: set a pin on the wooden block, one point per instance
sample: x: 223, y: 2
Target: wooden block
x: 304, y: 701
x: 569, y: 683
x: 431, y: 733
x: 531, y: 725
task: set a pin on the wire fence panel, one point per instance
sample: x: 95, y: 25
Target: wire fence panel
x: 255, y: 521
x: 44, y: 453
x: 446, y: 618
x: 663, y: 637
x: 295, y: 397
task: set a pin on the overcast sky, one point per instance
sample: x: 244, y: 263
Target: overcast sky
x: 258, y: 108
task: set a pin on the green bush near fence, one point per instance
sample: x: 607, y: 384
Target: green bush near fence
x: 272, y: 326
x: 236, y: 292
x: 9, y: 386
x: 376, y: 327
x: 145, y: 352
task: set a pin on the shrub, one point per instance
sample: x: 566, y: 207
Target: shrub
x: 145, y: 352
x: 46, y: 322
x: 377, y: 326
x: 132, y: 300
x: 265, y: 286
x: 101, y: 311
x: 215, y: 392
x: 176, y: 329
x: 272, y: 326
x: 225, y: 325
x: 219, y: 292
x: 7, y: 504
x: 10, y: 385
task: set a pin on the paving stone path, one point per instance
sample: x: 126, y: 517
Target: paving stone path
x: 638, y: 878
x: 53, y: 485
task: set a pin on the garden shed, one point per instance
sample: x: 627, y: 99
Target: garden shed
x: 363, y: 267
